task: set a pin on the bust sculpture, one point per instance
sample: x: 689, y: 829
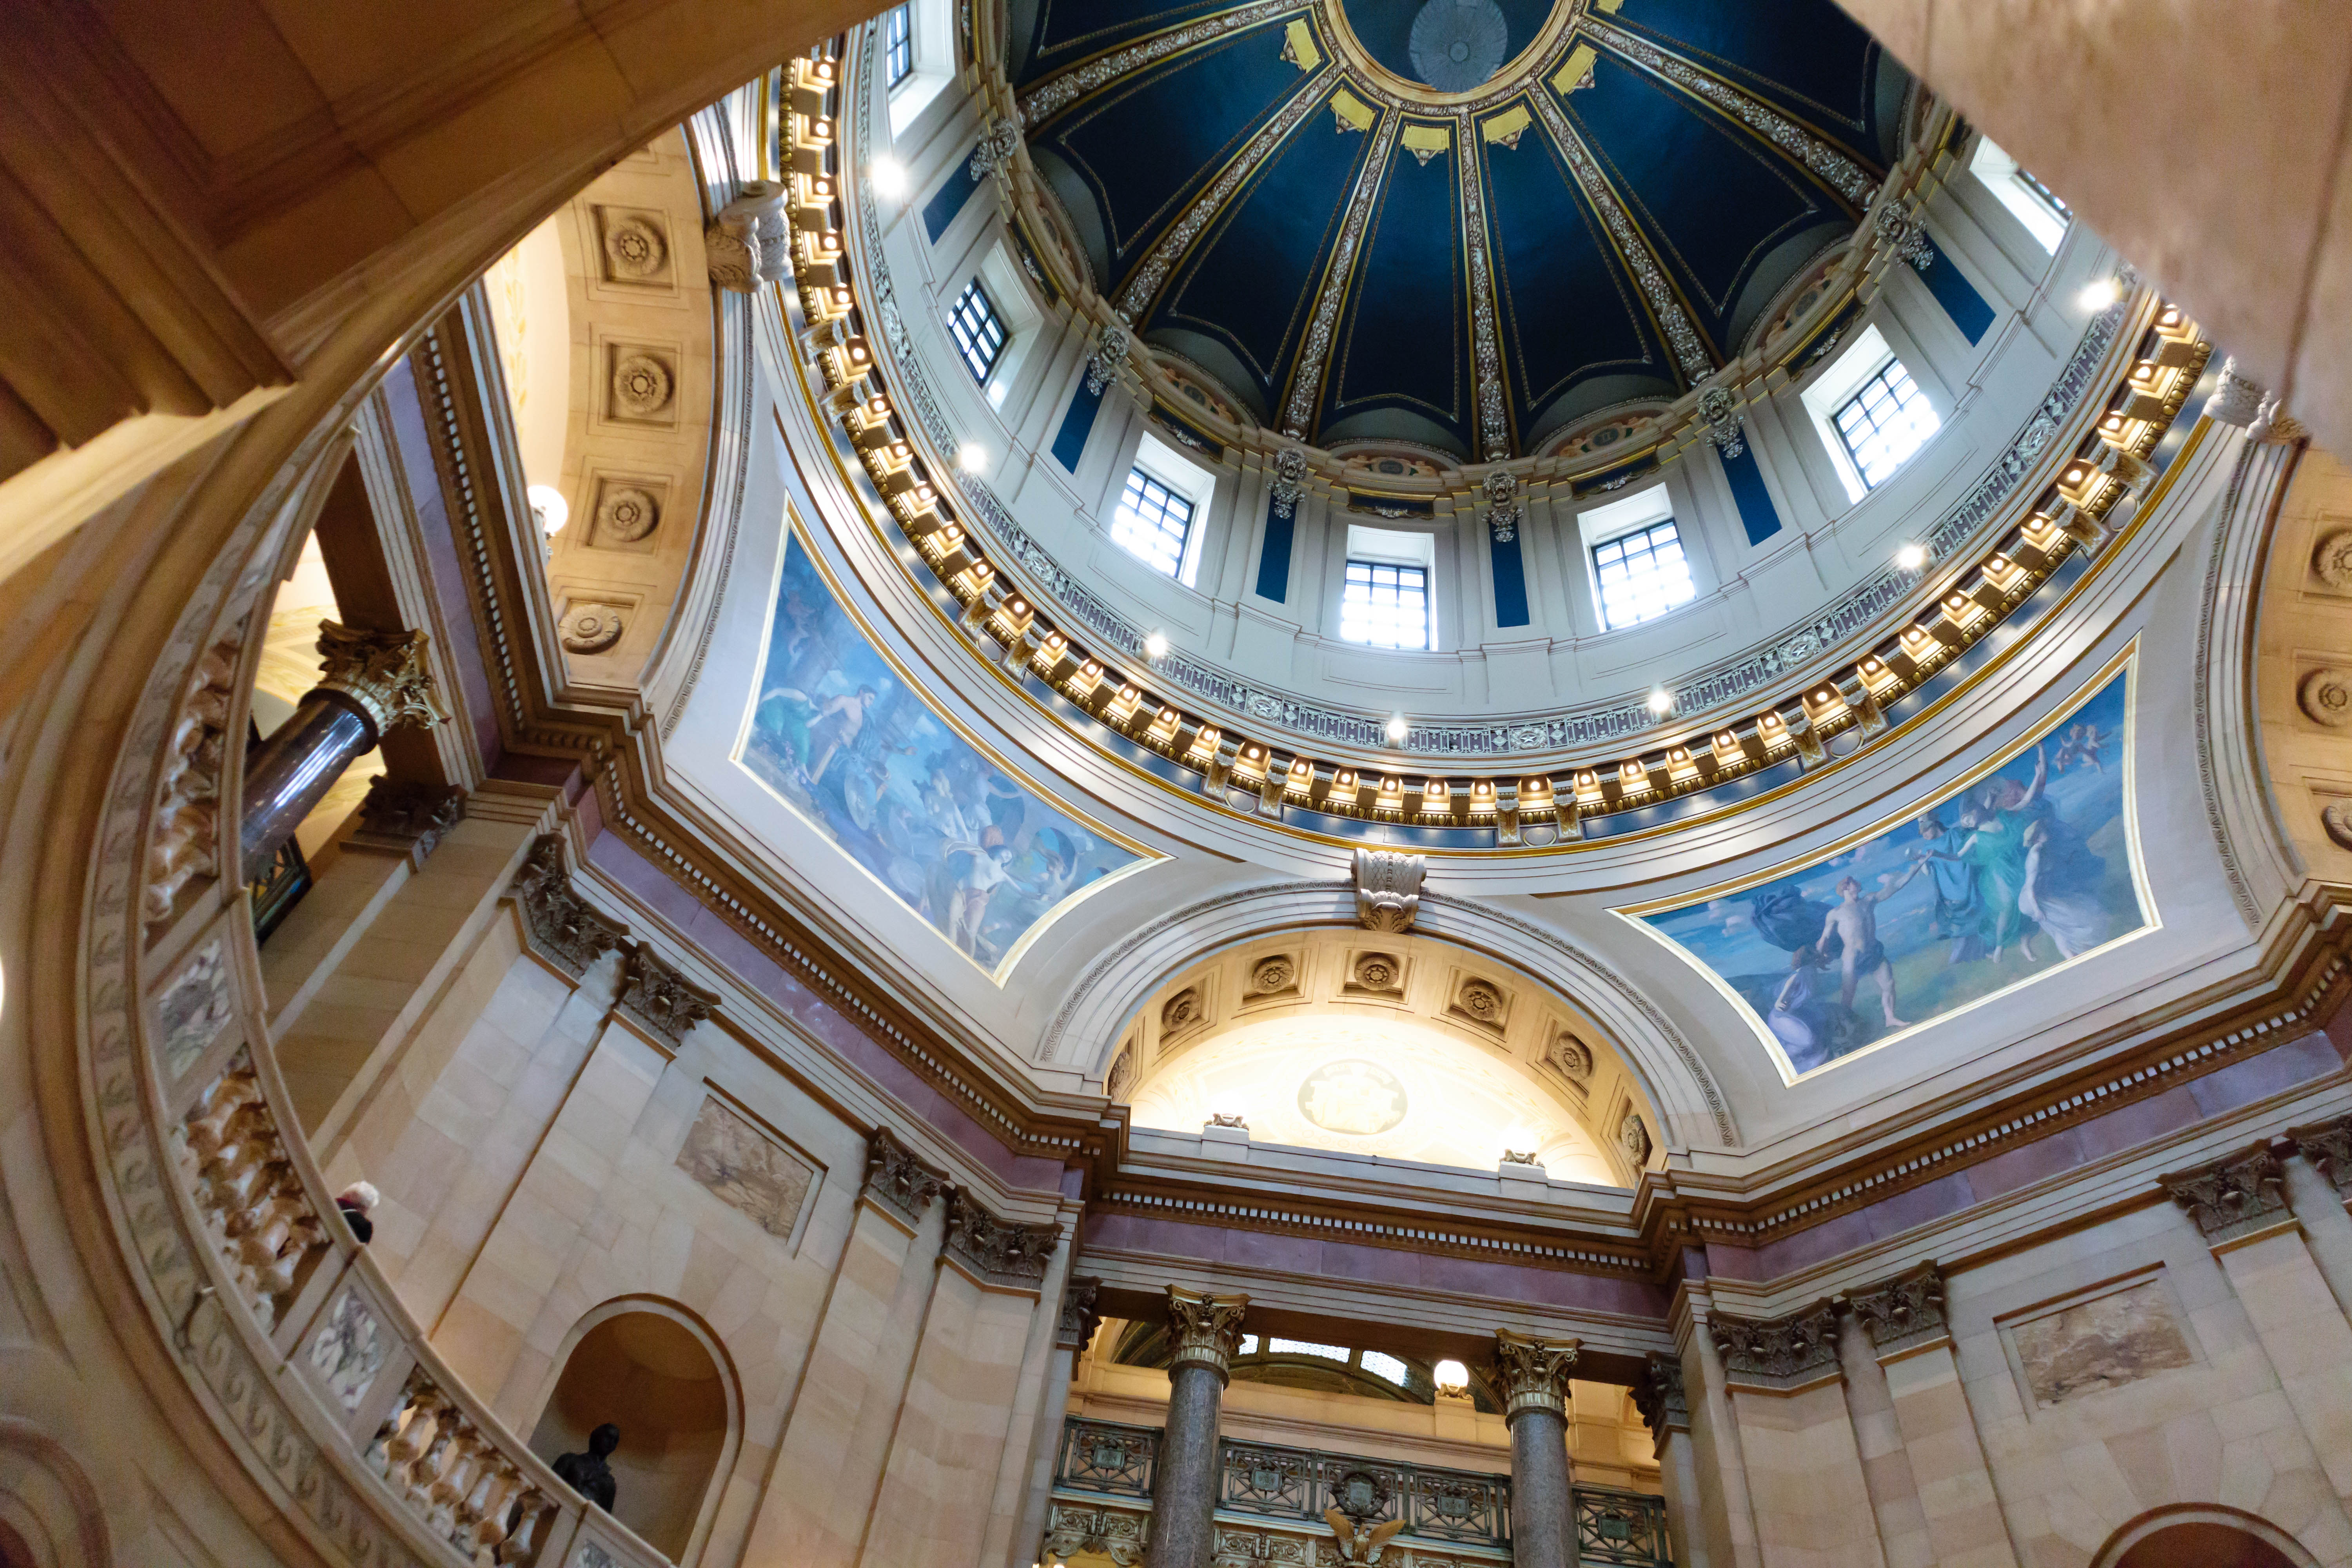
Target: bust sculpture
x: 589, y: 1474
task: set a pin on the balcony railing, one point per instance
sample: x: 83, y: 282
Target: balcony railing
x: 1458, y: 1517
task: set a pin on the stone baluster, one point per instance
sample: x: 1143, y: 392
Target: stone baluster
x: 373, y: 683
x: 238, y: 1170
x: 1533, y: 1376
x: 1185, y: 1491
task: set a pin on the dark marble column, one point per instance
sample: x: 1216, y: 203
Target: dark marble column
x: 1533, y: 1375
x: 372, y: 683
x: 1184, y: 1487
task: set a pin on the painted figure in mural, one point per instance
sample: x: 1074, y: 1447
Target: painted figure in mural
x: 1851, y: 930
x: 842, y: 739
x: 2014, y: 872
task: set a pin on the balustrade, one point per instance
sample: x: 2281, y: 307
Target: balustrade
x: 1103, y: 1486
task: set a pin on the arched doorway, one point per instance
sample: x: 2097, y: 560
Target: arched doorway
x: 648, y: 1371
x: 2202, y: 1536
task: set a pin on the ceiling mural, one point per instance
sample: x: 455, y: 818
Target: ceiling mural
x: 1460, y: 224
x: 2023, y: 868
x: 838, y: 734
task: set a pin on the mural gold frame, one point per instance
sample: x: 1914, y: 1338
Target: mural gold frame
x: 2151, y: 916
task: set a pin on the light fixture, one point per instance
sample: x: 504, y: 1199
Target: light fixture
x: 1398, y: 730
x: 1452, y: 1377
x: 2102, y: 294
x: 1155, y: 645
x: 1911, y: 557
x: 889, y: 177
x: 1662, y: 701
x: 548, y: 505
x: 971, y: 458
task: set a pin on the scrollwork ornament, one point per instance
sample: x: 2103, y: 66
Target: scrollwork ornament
x: 1904, y: 235
x: 1112, y: 345
x: 1502, y: 488
x: 1289, y: 479
x: 1720, y: 411
x: 999, y: 141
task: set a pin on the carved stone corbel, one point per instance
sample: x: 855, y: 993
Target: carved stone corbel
x: 2232, y: 1198
x: 657, y: 996
x: 559, y: 925
x: 1533, y: 1374
x: 2236, y: 399
x: 1113, y: 343
x: 1779, y: 1354
x: 1079, y: 1319
x: 1289, y: 479
x: 1388, y: 889
x: 1905, y: 1311
x: 406, y: 816
x: 1658, y: 1395
x: 897, y: 1180
x: 1002, y: 1251
x: 750, y: 242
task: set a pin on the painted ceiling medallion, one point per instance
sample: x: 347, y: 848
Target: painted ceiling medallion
x: 1458, y: 44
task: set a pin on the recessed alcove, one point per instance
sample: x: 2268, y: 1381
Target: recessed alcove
x: 648, y: 1373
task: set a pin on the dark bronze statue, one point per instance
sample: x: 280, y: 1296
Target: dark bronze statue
x: 588, y: 1474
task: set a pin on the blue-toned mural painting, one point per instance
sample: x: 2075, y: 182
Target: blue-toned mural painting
x: 840, y: 736
x: 2017, y: 872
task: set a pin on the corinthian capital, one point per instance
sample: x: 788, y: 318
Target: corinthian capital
x: 1205, y: 1328
x: 383, y: 672
x: 1533, y: 1372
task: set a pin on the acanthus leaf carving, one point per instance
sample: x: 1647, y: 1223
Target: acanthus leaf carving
x: 1007, y: 1251
x: 1905, y: 1311
x: 1533, y: 1372
x: 2232, y: 1197
x: 1079, y: 1319
x: 410, y: 811
x: 558, y: 922
x: 896, y: 1180
x: 1205, y: 1328
x: 657, y: 995
x: 2328, y: 1146
x: 1658, y: 1395
x: 1388, y: 889
x: 384, y: 672
x: 749, y: 244
x: 1779, y: 1352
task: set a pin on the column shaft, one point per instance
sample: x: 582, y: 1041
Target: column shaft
x: 1542, y: 1507
x: 293, y: 770
x: 1184, y: 1487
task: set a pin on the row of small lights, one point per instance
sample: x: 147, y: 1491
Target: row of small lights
x: 2086, y: 490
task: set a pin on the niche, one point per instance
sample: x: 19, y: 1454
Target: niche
x: 650, y: 1374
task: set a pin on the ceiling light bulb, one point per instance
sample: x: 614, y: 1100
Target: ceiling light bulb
x: 548, y: 505
x: 2102, y: 294
x: 1662, y: 700
x: 1450, y: 1376
x: 1155, y: 645
x: 1911, y: 557
x: 889, y: 177
x: 1398, y: 731
x: 972, y: 457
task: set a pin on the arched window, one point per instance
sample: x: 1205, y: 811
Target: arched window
x: 2202, y: 1535
x: 645, y: 1369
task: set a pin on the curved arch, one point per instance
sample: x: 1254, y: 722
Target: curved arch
x: 46, y: 1499
x: 731, y: 1385
x: 1662, y: 1060
x: 2202, y: 1535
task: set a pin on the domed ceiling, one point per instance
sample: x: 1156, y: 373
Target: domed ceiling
x: 1463, y: 224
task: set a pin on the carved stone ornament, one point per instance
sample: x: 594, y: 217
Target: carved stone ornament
x: 1071, y: 1529
x: 1182, y: 1011
x: 1572, y: 1056
x: 750, y: 242
x: 1658, y: 1395
x: 2331, y: 559
x: 1121, y: 1075
x: 641, y: 386
x: 1779, y: 1352
x: 1233, y: 1119
x: 2232, y: 1197
x: 1388, y: 889
x: 1273, y: 976
x: 2328, y: 1147
x: 1112, y: 345
x: 898, y: 1181
x: 2236, y: 399
x: 1634, y: 1137
x: 1533, y: 1374
x: 591, y: 628
x: 626, y: 513
x: 1502, y: 488
x: 1721, y: 413
x: 2325, y: 697
x: 561, y: 926
x: 662, y: 999
x: 1000, y: 139
x: 410, y: 813
x: 1908, y: 1309
x: 1002, y: 1251
x: 1381, y: 973
x: 1902, y: 234
x: 634, y: 248
x: 1289, y: 479
x: 185, y: 840
x: 1520, y: 1157
x: 1481, y: 1001
x: 1206, y: 1329
x: 1075, y: 1330
x: 383, y: 672
x: 2336, y: 819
